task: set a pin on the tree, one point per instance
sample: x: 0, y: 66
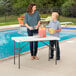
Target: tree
x: 19, y: 6
x: 68, y: 8
x: 5, y: 7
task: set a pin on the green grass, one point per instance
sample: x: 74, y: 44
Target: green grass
x: 61, y: 19
x: 44, y: 15
x: 67, y: 19
x: 14, y: 19
x: 9, y: 20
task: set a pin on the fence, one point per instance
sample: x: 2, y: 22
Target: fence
x: 66, y: 14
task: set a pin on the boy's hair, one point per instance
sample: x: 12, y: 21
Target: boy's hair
x: 56, y: 13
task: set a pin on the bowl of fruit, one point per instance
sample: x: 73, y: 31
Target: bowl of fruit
x: 51, y: 30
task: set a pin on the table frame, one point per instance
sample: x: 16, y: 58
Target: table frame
x: 19, y: 48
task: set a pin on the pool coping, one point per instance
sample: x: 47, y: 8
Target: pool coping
x: 8, y: 27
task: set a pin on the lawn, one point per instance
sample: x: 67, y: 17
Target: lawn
x: 9, y: 20
x: 61, y: 18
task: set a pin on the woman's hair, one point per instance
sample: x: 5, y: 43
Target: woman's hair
x: 29, y: 8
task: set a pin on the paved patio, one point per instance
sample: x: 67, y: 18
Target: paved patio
x: 42, y: 67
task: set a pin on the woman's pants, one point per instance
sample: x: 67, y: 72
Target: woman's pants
x: 33, y: 45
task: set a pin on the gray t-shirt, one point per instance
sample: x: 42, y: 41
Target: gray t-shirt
x: 55, y: 25
x: 33, y: 19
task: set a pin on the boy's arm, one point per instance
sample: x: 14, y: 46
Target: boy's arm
x: 59, y: 30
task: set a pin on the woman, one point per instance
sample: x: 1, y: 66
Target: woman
x: 32, y: 22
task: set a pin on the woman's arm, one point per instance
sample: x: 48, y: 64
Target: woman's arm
x: 31, y: 28
x: 38, y: 18
x: 38, y: 25
x: 26, y: 22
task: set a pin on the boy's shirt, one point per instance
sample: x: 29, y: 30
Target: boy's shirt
x: 55, y: 25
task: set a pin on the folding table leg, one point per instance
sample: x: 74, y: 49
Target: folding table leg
x: 56, y: 53
x: 19, y: 55
x: 49, y: 53
x: 14, y: 52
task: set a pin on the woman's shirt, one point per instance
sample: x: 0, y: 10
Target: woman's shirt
x: 32, y: 20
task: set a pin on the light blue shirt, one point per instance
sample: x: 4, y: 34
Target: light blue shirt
x: 55, y: 25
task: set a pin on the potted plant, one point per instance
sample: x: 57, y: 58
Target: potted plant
x: 21, y: 20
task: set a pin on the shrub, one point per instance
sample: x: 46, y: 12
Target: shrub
x: 68, y: 9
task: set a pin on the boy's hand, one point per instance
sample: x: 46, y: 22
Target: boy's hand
x: 59, y: 30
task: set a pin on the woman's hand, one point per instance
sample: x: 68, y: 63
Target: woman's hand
x: 30, y: 28
x: 36, y: 26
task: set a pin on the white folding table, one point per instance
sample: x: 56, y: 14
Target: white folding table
x: 33, y: 39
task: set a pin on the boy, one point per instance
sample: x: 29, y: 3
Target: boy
x: 55, y: 24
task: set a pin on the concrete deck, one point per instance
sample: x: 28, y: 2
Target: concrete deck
x: 42, y: 67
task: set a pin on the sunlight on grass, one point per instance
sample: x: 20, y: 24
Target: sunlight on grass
x: 9, y: 20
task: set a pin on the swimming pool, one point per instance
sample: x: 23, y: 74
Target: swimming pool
x: 6, y: 44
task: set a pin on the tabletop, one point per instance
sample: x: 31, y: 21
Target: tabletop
x: 34, y: 38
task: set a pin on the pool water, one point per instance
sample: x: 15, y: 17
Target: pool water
x: 7, y: 45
